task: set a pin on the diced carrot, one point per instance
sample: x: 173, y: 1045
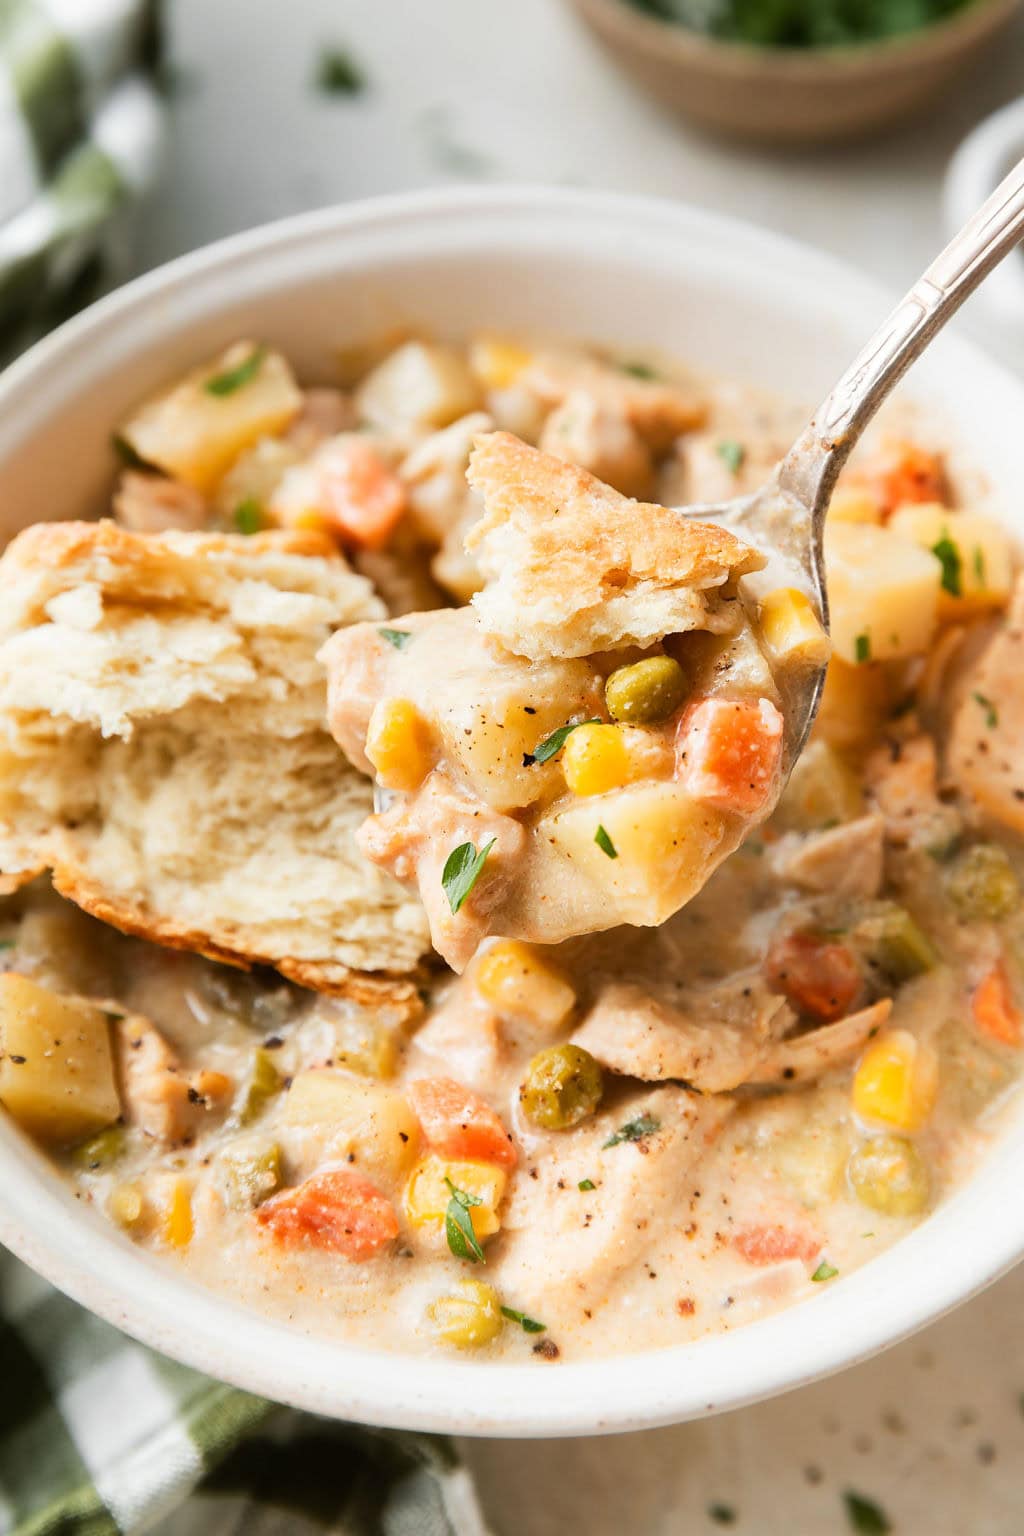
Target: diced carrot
x: 903, y: 472
x: 995, y: 1012
x: 458, y: 1123
x: 771, y: 1244
x: 363, y: 499
x: 728, y: 753
x: 341, y: 1211
x: 818, y: 976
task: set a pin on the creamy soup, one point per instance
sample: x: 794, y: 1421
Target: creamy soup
x: 628, y: 1138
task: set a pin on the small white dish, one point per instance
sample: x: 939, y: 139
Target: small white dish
x: 980, y: 163
x: 735, y: 301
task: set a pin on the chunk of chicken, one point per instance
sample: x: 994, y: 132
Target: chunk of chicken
x: 985, y: 746
x: 902, y: 783
x: 324, y: 413
x: 161, y: 1097
x: 660, y: 410
x: 713, y: 1038
x: 805, y: 1057
x: 154, y: 503
x: 602, y: 440
x: 842, y: 861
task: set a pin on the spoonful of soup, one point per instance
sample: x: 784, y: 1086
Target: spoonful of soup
x: 585, y: 742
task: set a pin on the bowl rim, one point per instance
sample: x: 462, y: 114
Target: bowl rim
x: 666, y: 42
x: 148, y: 1298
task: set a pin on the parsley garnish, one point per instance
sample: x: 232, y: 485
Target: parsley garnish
x: 555, y: 742
x: 233, y: 378
x: 722, y: 1514
x: 864, y: 1515
x: 605, y: 843
x: 458, y: 1225
x: 862, y: 647
x: 248, y: 516
x: 6, y: 943
x: 633, y: 1130
x: 462, y: 870
x: 129, y: 457
x: 825, y: 1271
x: 979, y: 564
x: 586, y: 1184
x: 991, y: 713
x: 527, y: 1324
x: 338, y: 74
x: 731, y: 454
x: 399, y: 638
x: 639, y: 370
x: 948, y: 556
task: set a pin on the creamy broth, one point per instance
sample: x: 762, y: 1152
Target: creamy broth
x: 662, y: 1132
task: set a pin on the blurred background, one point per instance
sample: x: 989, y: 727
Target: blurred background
x: 266, y: 109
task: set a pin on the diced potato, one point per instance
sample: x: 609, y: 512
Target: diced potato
x: 975, y: 550
x: 56, y: 1068
x: 662, y: 839
x: 399, y: 744
x: 518, y: 983
x: 254, y: 476
x: 496, y: 361
x: 896, y: 1081
x: 854, y: 504
x: 823, y: 790
x: 853, y: 704
x: 196, y: 430
x: 372, y: 1123
x: 419, y: 385
x: 427, y: 1194
x: 883, y: 593
x: 791, y: 629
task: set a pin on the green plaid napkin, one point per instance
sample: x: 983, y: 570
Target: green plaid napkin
x: 100, y: 1436
x: 80, y: 133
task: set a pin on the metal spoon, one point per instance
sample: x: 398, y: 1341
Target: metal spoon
x: 786, y: 517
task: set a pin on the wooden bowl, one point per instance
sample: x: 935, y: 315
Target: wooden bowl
x: 791, y: 95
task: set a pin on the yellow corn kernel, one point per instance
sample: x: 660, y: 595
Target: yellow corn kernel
x: 176, y: 1225
x: 497, y: 363
x: 127, y: 1205
x: 399, y: 744
x: 516, y: 981
x: 595, y: 759
x: 427, y: 1193
x: 852, y: 504
x: 791, y: 629
x: 896, y: 1081
x: 469, y: 1316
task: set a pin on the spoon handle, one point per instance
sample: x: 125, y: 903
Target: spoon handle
x: 812, y: 465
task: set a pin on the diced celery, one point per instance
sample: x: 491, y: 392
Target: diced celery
x: 981, y: 883
x: 263, y: 1083
x: 251, y: 1172
x: 895, y: 942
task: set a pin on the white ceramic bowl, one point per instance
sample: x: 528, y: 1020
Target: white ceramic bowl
x: 735, y: 300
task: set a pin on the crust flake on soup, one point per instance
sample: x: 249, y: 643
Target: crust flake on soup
x: 492, y: 1069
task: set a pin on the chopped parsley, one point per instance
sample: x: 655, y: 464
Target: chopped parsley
x: 462, y: 870
x: 586, y: 1184
x: 527, y: 1324
x: 825, y: 1271
x: 605, y: 843
x: 554, y: 743
x: 991, y: 712
x: 633, y: 1130
x: 722, y: 1514
x: 948, y: 556
x: 731, y: 454
x: 338, y: 74
x: 639, y: 370
x: 458, y: 1225
x: 979, y: 564
x: 248, y: 516
x: 862, y: 648
x: 129, y: 457
x: 864, y: 1515
x: 232, y: 379
x: 399, y: 638
x: 6, y: 943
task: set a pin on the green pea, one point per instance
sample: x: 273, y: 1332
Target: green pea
x: 563, y: 1085
x: 981, y: 883
x: 101, y: 1150
x: 889, y: 1174
x: 469, y: 1317
x: 896, y: 943
x: 646, y: 692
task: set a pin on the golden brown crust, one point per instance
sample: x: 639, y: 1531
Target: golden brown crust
x: 659, y: 410
x: 57, y: 546
x: 585, y: 540
x: 369, y: 988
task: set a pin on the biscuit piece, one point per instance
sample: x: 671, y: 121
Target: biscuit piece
x: 163, y: 749
x: 573, y: 568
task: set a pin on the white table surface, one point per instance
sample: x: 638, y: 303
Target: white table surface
x: 485, y: 90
